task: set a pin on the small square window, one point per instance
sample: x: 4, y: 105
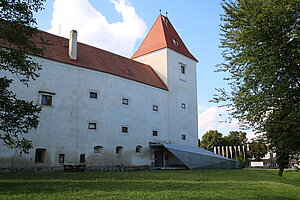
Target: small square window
x: 61, y: 158
x: 93, y: 95
x: 124, y: 129
x: 155, y: 108
x: 82, y: 158
x: 183, y: 105
x: 40, y: 155
x: 154, y: 133
x: 93, y: 126
x: 183, y: 137
x: 125, y: 101
x: 182, y: 69
x: 46, y: 100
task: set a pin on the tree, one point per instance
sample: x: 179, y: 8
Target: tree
x: 210, y: 139
x: 260, y: 41
x: 235, y: 138
x: 17, y: 27
x: 258, y: 149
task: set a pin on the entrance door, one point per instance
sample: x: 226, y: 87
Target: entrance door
x: 159, y: 158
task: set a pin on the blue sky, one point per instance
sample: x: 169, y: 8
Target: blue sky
x: 196, y: 21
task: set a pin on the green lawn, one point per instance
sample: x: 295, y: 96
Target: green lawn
x: 179, y: 184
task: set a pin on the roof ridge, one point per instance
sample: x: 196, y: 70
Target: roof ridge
x: 94, y: 47
x: 164, y: 29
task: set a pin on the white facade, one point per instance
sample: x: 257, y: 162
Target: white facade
x: 182, y: 94
x: 67, y: 127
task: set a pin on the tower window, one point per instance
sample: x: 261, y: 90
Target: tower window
x: 183, y: 106
x: 125, y: 101
x: 183, y: 137
x: 155, y: 108
x: 182, y: 69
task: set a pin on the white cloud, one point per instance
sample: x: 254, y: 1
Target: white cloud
x: 94, y: 29
x: 213, y: 119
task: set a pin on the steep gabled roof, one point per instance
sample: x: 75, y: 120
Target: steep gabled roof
x: 96, y: 59
x: 162, y: 35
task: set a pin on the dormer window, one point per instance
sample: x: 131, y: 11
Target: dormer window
x: 128, y: 71
x: 165, y: 21
x: 175, y: 42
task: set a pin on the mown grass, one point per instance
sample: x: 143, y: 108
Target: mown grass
x: 185, y: 184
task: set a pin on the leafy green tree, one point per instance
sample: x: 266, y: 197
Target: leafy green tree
x: 261, y: 46
x: 258, y: 149
x: 210, y: 139
x: 17, y: 27
x: 282, y: 132
x: 235, y: 138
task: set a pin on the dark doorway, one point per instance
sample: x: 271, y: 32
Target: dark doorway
x: 159, y: 158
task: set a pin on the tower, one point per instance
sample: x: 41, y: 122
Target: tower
x: 166, y: 53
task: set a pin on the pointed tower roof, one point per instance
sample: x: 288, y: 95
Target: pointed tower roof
x: 162, y: 35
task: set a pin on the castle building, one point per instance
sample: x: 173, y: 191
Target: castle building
x: 103, y: 110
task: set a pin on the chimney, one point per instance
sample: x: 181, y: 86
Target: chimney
x: 73, y: 45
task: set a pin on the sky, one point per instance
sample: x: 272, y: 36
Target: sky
x: 120, y: 26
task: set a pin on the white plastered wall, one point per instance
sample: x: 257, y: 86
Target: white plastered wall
x: 64, y: 129
x: 182, y: 89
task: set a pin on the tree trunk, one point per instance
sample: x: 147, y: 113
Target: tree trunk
x: 280, y: 172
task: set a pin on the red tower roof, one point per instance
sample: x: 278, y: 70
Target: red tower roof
x: 162, y: 35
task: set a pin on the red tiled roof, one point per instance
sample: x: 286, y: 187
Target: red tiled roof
x: 162, y: 35
x: 97, y: 59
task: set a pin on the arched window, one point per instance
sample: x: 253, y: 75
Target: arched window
x: 138, y: 149
x: 98, y: 149
x: 119, y: 150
